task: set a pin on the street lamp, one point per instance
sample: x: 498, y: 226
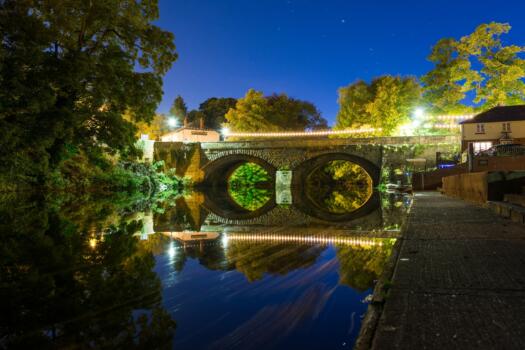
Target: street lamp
x: 225, y: 132
x: 172, y: 122
x: 419, y: 113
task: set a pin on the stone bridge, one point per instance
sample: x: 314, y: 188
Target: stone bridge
x: 212, y: 163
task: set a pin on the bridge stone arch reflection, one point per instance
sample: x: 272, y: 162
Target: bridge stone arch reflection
x: 218, y: 199
x: 301, y: 191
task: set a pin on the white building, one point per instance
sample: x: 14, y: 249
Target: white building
x: 499, y: 125
x: 188, y: 134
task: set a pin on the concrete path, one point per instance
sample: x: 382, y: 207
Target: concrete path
x: 459, y: 280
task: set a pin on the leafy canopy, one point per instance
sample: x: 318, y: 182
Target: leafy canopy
x: 256, y: 112
x: 477, y: 65
x: 69, y: 70
x: 179, y: 109
x: 385, y: 103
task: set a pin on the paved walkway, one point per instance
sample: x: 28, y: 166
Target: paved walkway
x: 459, y: 281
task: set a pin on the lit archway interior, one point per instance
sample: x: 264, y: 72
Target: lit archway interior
x: 250, y: 186
x: 338, y: 187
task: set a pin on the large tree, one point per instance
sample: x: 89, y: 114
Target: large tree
x: 214, y: 109
x: 69, y: 70
x: 255, y: 112
x: 385, y: 103
x: 178, y: 109
x: 477, y: 65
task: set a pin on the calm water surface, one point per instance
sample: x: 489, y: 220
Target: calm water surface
x: 189, y: 272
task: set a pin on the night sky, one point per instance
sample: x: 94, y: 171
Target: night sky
x: 310, y: 48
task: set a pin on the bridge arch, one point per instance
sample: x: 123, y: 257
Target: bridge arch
x: 217, y: 172
x: 303, y: 201
x: 218, y: 200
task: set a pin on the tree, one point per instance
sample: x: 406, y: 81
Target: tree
x: 179, y: 109
x: 255, y: 112
x: 155, y: 128
x: 214, y: 110
x: 250, y: 114
x: 69, y: 71
x: 385, y: 103
x: 478, y: 64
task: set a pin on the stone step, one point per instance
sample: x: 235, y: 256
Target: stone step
x: 517, y: 199
x: 507, y: 210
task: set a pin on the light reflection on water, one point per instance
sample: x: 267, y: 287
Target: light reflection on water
x: 283, y: 280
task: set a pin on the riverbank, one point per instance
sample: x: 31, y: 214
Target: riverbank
x: 457, y: 281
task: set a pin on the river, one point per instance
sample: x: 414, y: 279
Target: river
x: 181, y: 272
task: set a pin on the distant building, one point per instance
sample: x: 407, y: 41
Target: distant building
x: 188, y: 134
x: 499, y: 125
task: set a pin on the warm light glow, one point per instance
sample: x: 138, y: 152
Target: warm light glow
x: 352, y: 241
x: 171, y: 250
x: 172, y: 122
x: 445, y: 126
x: 93, y: 243
x: 454, y: 117
x: 224, y: 240
x: 300, y: 133
x: 419, y: 113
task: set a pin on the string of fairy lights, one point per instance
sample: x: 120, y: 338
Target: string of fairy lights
x: 450, y: 122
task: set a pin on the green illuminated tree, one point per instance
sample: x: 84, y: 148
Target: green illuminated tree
x: 339, y: 187
x: 255, y: 112
x: 244, y: 186
x: 480, y: 64
x: 385, y: 103
x: 69, y: 71
x: 157, y: 127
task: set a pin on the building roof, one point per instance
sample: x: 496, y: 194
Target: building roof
x: 188, y: 128
x: 499, y: 114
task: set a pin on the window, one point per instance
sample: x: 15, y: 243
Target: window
x: 480, y: 128
x: 506, y: 127
x: 481, y: 146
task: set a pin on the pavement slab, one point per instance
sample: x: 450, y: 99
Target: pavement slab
x: 459, y: 280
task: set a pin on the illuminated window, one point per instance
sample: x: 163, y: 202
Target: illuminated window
x: 481, y: 146
x: 480, y: 128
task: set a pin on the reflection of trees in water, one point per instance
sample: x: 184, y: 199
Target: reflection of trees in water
x: 254, y: 260
x: 394, y: 208
x: 210, y: 254
x: 63, y: 287
x: 339, y: 187
x: 243, y: 186
x: 361, y: 266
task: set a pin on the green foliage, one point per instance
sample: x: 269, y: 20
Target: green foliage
x: 480, y: 64
x: 155, y: 128
x: 386, y: 103
x: 214, y: 110
x: 70, y: 70
x: 67, y: 285
x: 256, y: 260
x: 248, y: 174
x: 360, y: 267
x: 255, y: 112
x: 340, y: 187
x: 242, y: 186
x: 179, y: 109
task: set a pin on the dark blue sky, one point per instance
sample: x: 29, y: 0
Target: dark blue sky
x: 310, y: 48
